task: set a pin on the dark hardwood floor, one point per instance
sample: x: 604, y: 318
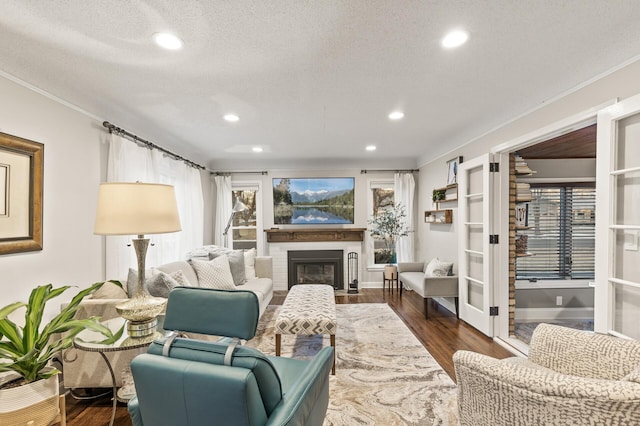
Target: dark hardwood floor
x: 442, y: 335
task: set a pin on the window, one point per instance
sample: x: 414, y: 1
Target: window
x: 246, y: 228
x: 381, y: 198
x: 560, y: 234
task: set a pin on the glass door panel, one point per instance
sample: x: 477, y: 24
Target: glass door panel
x: 617, y: 302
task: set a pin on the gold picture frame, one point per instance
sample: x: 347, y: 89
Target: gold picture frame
x: 21, y: 190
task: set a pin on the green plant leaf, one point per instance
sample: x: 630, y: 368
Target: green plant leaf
x: 4, y: 312
x: 30, y: 348
x: 10, y: 331
x: 109, y: 340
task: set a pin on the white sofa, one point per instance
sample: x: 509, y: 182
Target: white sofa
x: 88, y: 370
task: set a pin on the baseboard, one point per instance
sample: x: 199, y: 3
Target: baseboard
x: 549, y: 314
x: 372, y: 284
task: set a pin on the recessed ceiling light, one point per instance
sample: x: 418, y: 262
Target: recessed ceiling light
x: 231, y: 118
x: 370, y: 148
x: 167, y: 41
x: 257, y: 149
x: 396, y: 115
x: 455, y: 38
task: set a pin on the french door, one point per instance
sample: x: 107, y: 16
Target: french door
x: 617, y: 276
x: 477, y: 242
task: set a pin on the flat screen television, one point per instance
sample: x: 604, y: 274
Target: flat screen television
x: 313, y: 201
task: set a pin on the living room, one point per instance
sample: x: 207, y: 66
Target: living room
x: 76, y: 152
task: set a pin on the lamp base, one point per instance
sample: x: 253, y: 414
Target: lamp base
x: 142, y: 328
x: 141, y: 313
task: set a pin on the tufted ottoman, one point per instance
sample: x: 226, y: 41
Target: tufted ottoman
x: 308, y: 309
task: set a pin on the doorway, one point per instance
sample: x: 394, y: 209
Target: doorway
x: 553, y: 259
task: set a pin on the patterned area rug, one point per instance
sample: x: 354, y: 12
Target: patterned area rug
x: 384, y: 376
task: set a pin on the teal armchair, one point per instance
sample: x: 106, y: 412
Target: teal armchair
x: 192, y: 382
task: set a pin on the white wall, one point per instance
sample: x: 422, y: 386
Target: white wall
x: 366, y: 277
x: 75, y: 156
x: 74, y: 153
x: 441, y: 240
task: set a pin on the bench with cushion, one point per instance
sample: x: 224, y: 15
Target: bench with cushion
x: 434, y: 279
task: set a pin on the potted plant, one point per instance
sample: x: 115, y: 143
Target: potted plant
x: 388, y: 225
x: 29, y: 389
x: 438, y: 195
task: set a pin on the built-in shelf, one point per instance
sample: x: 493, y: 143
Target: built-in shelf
x: 438, y: 216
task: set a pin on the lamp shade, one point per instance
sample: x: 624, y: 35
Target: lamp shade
x: 136, y: 209
x: 239, y: 206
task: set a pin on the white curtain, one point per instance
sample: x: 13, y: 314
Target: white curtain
x: 223, y: 209
x: 405, y: 187
x: 129, y: 162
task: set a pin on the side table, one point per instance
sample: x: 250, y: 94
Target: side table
x: 390, y: 276
x: 90, y: 341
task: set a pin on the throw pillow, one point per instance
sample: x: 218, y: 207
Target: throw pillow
x: 250, y: 264
x: 161, y: 284
x: 132, y: 280
x: 236, y: 263
x: 180, y: 278
x: 438, y: 268
x: 215, y: 273
x: 157, y: 283
x: 109, y: 290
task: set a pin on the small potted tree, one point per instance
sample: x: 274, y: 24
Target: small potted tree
x: 29, y: 389
x: 388, y: 225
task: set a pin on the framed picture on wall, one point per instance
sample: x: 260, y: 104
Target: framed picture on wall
x: 313, y: 201
x: 522, y: 215
x: 21, y: 185
x: 452, y: 170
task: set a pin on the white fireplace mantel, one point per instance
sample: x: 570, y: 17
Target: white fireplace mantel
x: 278, y: 251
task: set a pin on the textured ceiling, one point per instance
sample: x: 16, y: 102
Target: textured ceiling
x: 312, y: 81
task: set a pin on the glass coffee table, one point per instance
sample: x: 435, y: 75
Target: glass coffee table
x: 90, y: 341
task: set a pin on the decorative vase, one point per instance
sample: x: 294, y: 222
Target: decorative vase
x: 36, y: 403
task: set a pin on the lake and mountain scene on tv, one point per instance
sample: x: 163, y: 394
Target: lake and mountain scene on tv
x: 313, y: 201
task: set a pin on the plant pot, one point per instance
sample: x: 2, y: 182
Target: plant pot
x: 35, y: 403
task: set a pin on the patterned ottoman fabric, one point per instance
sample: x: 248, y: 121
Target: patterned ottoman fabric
x: 308, y: 309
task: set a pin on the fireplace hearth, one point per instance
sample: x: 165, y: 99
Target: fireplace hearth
x: 316, y: 267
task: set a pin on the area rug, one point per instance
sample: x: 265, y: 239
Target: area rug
x: 384, y: 376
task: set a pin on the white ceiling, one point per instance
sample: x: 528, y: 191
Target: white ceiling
x: 313, y: 81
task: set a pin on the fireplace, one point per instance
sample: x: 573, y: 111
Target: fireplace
x: 316, y: 267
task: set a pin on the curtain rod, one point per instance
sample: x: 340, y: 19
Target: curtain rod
x: 220, y: 173
x: 364, y: 172
x: 118, y: 130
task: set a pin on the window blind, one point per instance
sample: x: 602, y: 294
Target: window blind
x: 560, y: 234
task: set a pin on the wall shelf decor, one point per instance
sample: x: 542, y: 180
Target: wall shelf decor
x: 438, y: 216
x: 445, y: 194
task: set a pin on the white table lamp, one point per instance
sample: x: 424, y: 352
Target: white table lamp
x: 138, y: 209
